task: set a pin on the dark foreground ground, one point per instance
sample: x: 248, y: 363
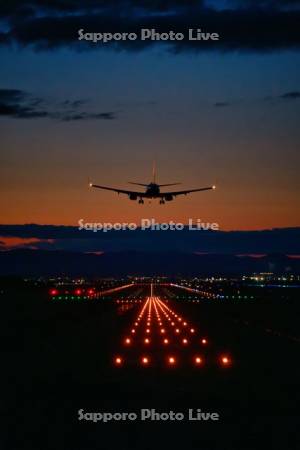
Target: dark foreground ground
x: 57, y: 360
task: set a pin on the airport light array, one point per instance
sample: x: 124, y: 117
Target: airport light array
x: 160, y: 335
x: 79, y: 293
x: 204, y: 294
x: 72, y: 293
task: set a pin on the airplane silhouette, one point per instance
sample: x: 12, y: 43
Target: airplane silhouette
x: 152, y: 190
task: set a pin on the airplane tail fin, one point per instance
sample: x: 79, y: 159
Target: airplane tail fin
x: 154, y: 172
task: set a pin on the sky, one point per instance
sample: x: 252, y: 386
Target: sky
x: 224, y: 114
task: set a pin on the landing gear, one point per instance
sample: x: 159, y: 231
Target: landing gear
x: 162, y: 202
x: 141, y: 201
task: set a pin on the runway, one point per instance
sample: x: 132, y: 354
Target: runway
x: 64, y: 357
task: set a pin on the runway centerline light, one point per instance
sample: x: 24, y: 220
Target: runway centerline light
x: 225, y: 360
x: 171, y: 360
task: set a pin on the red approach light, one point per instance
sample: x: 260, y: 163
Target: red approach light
x: 53, y: 291
x: 147, y: 341
x: 198, y: 360
x: 184, y: 341
x: 225, y: 360
x: 166, y: 341
x: 171, y: 360
x: 127, y: 341
x: 91, y: 291
x: 145, y: 360
x: 78, y: 291
x: 118, y: 361
x: 204, y: 341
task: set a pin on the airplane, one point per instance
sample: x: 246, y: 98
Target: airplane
x: 152, y: 190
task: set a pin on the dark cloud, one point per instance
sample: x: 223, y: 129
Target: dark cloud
x: 245, y: 25
x: 294, y: 95
x: 18, y: 104
x: 286, y: 96
x: 11, y: 95
x: 284, y: 240
x: 87, y: 116
x: 221, y: 104
x: 263, y: 4
x: 73, y: 104
x: 21, y: 8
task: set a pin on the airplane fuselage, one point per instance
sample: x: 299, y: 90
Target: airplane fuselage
x: 152, y: 190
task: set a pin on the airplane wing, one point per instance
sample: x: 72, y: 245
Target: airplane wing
x: 119, y: 191
x: 163, y: 194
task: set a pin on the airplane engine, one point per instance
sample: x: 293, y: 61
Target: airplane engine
x: 133, y: 197
x: 169, y: 198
